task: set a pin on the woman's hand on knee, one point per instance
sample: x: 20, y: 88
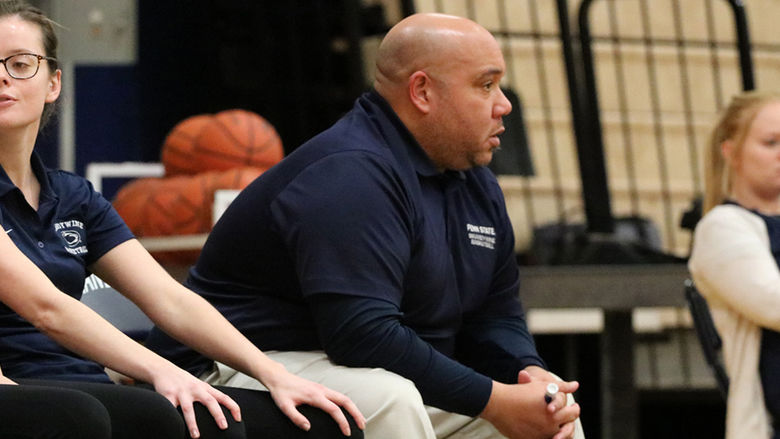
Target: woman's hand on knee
x: 183, y: 390
x: 289, y: 391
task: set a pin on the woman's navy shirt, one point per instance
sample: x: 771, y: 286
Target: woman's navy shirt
x: 72, y: 228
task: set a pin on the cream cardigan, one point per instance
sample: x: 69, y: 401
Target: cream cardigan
x: 733, y: 268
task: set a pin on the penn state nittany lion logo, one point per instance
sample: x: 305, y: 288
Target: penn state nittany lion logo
x: 72, y: 238
x: 72, y: 232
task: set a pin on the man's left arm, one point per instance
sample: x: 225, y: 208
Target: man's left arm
x: 494, y: 338
x: 496, y: 341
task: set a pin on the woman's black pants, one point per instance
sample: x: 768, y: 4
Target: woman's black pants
x: 38, y: 409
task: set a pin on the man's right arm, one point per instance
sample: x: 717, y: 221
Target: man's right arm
x: 364, y: 332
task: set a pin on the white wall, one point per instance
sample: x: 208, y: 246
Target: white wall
x: 93, y: 32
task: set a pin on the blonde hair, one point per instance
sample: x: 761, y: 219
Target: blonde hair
x: 733, y: 124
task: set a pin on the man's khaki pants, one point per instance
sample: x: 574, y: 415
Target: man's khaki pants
x: 391, y: 404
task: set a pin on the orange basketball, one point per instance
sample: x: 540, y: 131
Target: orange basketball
x: 130, y: 201
x: 181, y: 145
x: 179, y: 205
x: 226, y: 140
x: 237, y: 178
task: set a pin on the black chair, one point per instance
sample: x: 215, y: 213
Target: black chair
x: 116, y: 308
x: 709, y: 339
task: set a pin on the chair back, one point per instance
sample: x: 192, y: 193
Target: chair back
x: 709, y: 339
x: 116, y: 308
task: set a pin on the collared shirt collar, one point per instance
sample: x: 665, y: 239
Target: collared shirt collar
x: 41, y: 173
x: 420, y: 160
x: 6, y: 185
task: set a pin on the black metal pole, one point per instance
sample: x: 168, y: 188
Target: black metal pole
x: 590, y: 145
x: 407, y: 7
x: 743, y: 44
x: 354, y: 34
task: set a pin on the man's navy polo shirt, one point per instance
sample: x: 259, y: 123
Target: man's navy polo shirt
x: 72, y: 228
x: 359, y: 211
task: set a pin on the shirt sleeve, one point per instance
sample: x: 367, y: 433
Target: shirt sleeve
x: 495, y: 339
x: 732, y: 262
x: 498, y: 347
x: 347, y: 222
x: 363, y: 332
x: 105, y: 228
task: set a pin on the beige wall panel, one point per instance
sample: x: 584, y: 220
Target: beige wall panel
x: 552, y: 142
x: 488, y: 14
x: 645, y: 154
x: 625, y: 13
x: 694, y: 29
x: 454, y: 7
x: 702, y: 80
x: 768, y: 69
x: 424, y: 5
x: 523, y: 73
x: 633, y: 63
x: 517, y: 17
x: 763, y: 16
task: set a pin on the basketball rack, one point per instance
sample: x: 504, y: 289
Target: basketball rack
x: 98, y: 171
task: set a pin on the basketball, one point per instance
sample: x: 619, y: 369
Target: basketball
x: 226, y: 140
x: 131, y: 202
x: 161, y: 206
x: 179, y: 205
x: 181, y: 145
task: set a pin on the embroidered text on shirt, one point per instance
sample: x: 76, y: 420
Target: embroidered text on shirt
x: 481, y: 236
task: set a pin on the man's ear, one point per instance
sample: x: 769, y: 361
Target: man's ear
x: 420, y: 91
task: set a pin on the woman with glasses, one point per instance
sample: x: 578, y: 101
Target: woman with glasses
x: 55, y: 229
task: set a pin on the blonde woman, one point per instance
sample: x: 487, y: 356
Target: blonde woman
x: 735, y: 258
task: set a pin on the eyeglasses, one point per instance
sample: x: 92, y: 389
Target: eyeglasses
x: 24, y: 65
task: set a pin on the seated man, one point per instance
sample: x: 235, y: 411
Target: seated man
x: 377, y: 259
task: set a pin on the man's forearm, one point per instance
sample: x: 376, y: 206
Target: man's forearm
x: 361, y: 332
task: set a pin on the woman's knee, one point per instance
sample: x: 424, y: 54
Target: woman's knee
x: 323, y: 426
x: 145, y: 413
x: 134, y: 411
x: 208, y: 428
x: 49, y: 412
x: 262, y: 418
x: 88, y: 418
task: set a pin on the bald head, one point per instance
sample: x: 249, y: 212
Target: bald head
x: 441, y: 75
x: 423, y: 42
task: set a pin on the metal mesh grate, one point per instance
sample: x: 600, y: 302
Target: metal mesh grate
x: 660, y: 70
